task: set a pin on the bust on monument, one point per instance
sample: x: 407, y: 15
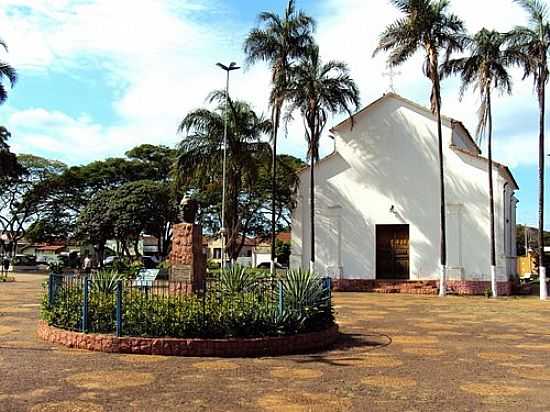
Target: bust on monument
x: 187, y: 211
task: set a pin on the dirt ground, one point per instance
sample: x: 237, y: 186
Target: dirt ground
x: 397, y: 353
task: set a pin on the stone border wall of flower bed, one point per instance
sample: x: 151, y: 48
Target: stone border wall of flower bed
x: 233, y: 347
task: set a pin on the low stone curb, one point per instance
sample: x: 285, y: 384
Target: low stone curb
x: 465, y: 287
x: 232, y: 347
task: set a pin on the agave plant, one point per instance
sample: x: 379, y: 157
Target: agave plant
x: 237, y: 279
x: 105, y: 282
x: 303, y: 289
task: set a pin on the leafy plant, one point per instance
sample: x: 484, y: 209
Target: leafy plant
x: 303, y: 289
x: 106, y: 282
x: 237, y: 279
x: 56, y: 267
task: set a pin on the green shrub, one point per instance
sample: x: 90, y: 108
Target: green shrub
x: 66, y: 310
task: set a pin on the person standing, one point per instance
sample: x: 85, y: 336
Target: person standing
x: 87, y: 265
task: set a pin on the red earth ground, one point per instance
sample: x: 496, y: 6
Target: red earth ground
x: 397, y: 353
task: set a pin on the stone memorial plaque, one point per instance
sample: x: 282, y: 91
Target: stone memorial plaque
x: 182, y: 273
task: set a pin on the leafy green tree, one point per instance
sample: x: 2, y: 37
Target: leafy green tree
x: 485, y: 69
x: 427, y: 25
x: 143, y: 207
x: 95, y: 223
x: 254, y: 202
x: 319, y: 90
x: 56, y: 226
x: 158, y: 160
x: 127, y: 212
x: 20, y: 197
x: 199, y: 150
x: 532, y: 43
x: 280, y: 41
x: 69, y: 192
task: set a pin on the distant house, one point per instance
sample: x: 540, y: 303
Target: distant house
x: 49, y: 251
x: 213, y: 248
x: 41, y: 249
x: 254, y: 252
x: 262, y: 252
x: 147, y: 246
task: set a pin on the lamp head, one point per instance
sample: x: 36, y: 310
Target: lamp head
x: 232, y: 66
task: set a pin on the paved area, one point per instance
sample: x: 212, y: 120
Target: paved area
x: 397, y: 353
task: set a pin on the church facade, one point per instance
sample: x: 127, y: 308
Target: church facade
x: 377, y: 204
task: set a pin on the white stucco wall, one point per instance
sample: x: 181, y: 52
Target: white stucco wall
x: 390, y: 159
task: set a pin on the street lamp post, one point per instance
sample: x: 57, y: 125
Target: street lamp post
x: 228, y: 69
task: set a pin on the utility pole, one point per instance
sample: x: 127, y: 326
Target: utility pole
x: 228, y: 69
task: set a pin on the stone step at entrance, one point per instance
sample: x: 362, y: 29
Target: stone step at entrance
x: 403, y: 286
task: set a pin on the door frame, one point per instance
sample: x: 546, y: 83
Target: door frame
x: 403, y: 225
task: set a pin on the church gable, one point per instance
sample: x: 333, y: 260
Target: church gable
x: 390, y: 135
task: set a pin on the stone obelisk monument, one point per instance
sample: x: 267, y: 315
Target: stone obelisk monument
x: 188, y: 263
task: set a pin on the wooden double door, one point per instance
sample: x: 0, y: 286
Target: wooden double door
x: 392, y: 252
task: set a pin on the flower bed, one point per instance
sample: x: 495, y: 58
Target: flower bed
x: 237, y: 305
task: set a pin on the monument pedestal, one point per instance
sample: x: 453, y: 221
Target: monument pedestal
x: 188, y: 264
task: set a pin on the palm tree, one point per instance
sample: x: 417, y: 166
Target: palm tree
x: 8, y: 72
x: 318, y: 90
x: 279, y: 41
x: 203, y: 142
x: 532, y: 44
x: 429, y: 26
x: 485, y: 69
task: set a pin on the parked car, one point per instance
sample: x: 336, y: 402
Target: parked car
x: 23, y: 263
x: 109, y: 260
x: 267, y: 265
x: 148, y: 261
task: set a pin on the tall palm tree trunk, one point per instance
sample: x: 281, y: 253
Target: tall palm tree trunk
x: 276, y: 120
x: 491, y: 196
x: 542, y: 269
x: 443, y: 222
x: 312, y: 212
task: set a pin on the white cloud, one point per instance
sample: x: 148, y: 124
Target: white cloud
x: 160, y: 56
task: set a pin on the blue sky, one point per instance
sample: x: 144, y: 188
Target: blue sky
x: 98, y: 77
